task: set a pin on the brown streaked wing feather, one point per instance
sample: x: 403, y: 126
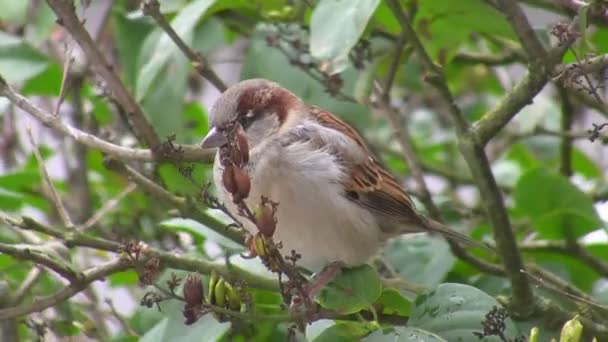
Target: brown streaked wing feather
x: 370, y: 184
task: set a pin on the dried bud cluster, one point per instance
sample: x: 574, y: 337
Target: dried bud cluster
x: 234, y: 157
x: 220, y: 294
x: 194, y: 297
x: 265, y: 217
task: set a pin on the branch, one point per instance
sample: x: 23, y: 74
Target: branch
x: 185, y: 207
x: 186, y: 152
x: 435, y: 74
x: 65, y: 11
x: 88, y: 276
x: 167, y: 259
x: 531, y: 44
x: 565, y: 166
x: 573, y: 250
x: 522, y: 94
x: 482, y: 173
x: 502, y: 58
x: 38, y: 254
x: 152, y: 8
x: 55, y: 198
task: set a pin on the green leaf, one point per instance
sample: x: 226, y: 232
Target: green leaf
x: 352, y: 291
x: 556, y: 207
x: 584, y: 165
x: 433, y: 258
x: 335, y: 27
x: 176, y: 182
x: 126, y: 278
x: 454, y: 312
x: 404, y: 334
x: 391, y: 302
x: 196, y: 121
x: 130, y: 36
x: 199, y: 231
x: 18, y: 60
x: 343, y: 332
x: 47, y: 82
x: 172, y: 328
x: 445, y: 25
x: 183, y: 24
x: 13, y: 12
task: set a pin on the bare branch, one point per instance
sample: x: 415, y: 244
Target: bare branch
x: 64, y: 9
x: 108, y: 207
x: 482, y: 173
x: 55, y: 198
x: 530, y: 42
x: 202, y: 66
x: 186, y: 152
x: 92, y: 274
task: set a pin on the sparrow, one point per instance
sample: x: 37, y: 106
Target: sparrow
x: 336, y: 203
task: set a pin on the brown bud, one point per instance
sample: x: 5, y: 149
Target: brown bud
x: 242, y: 182
x: 235, y: 156
x: 250, y: 243
x: 228, y: 178
x: 265, y: 219
x: 193, y: 290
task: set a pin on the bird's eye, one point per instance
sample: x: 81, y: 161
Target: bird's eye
x: 247, y: 119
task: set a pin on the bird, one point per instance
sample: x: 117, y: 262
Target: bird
x: 336, y: 202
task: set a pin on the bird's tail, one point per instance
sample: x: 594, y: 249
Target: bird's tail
x: 452, y: 235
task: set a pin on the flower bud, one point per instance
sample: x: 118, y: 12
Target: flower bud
x: 571, y: 331
x: 193, y: 290
x: 220, y: 292
x: 213, y: 278
x: 265, y: 219
x: 259, y: 245
x: 242, y: 182
x: 228, y: 178
x: 232, y: 297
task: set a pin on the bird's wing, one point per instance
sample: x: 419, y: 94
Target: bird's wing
x: 368, y: 183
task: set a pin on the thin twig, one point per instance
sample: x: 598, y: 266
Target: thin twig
x: 64, y: 79
x: 565, y: 166
x: 67, y: 17
x: 394, y: 66
x: 108, y: 207
x: 121, y: 320
x: 530, y: 42
x: 56, y: 199
x: 187, y: 152
x: 92, y: 274
x: 201, y: 65
x: 24, y: 288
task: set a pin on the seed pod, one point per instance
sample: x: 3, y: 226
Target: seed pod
x: 250, y: 243
x: 533, y: 335
x: 228, y: 178
x: 220, y: 292
x: 213, y: 278
x: 265, y: 220
x: 232, y: 297
x: 242, y: 182
x: 571, y: 331
x: 259, y: 245
x: 193, y: 290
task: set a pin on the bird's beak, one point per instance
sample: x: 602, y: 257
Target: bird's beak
x: 214, y: 139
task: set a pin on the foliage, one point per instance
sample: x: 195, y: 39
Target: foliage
x: 447, y: 94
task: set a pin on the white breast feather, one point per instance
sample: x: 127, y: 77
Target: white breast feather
x: 314, y: 218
